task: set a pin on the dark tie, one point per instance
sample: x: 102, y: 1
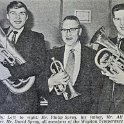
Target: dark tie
x: 14, y: 37
x: 70, y: 64
x: 119, y: 42
x: 122, y: 44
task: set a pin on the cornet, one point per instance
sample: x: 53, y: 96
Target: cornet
x: 110, y: 57
x: 55, y: 67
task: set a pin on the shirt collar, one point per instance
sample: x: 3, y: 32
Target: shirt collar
x: 11, y: 30
x: 120, y: 37
x: 77, y: 47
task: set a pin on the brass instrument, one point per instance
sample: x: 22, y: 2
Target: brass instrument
x: 55, y: 67
x: 8, y: 54
x: 110, y: 58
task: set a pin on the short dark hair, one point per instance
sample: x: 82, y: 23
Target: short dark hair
x: 71, y: 17
x: 117, y: 8
x: 16, y: 5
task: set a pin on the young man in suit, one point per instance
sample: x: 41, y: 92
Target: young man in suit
x: 31, y: 46
x: 112, y: 98
x: 85, y: 78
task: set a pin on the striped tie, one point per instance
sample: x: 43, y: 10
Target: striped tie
x: 14, y: 37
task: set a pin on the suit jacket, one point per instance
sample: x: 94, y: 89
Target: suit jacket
x: 88, y: 83
x: 31, y: 47
x: 111, y: 102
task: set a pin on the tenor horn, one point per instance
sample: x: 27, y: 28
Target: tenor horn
x: 55, y: 67
x: 110, y: 58
x: 9, y: 55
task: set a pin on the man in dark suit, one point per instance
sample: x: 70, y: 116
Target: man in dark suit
x: 112, y: 98
x: 85, y: 78
x: 31, y: 46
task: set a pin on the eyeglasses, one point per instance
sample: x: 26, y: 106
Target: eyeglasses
x: 72, y: 30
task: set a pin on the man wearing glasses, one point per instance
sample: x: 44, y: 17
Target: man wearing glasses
x: 79, y: 71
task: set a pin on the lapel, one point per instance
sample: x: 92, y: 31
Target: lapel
x: 59, y: 55
x: 82, y: 64
x: 83, y: 55
x: 6, y: 30
x: 114, y: 40
x: 24, y: 40
x: 24, y: 43
x: 23, y: 36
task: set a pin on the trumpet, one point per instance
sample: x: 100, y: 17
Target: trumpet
x: 55, y: 67
x: 110, y: 58
x: 10, y: 56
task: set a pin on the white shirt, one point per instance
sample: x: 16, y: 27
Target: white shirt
x: 77, y: 53
x: 10, y: 34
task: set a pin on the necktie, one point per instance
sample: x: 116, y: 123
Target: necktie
x: 70, y: 69
x: 14, y: 37
x: 119, y: 42
x: 122, y: 44
x: 70, y: 64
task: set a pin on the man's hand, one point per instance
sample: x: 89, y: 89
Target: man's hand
x: 59, y: 78
x: 117, y: 74
x: 117, y: 77
x: 104, y: 60
x: 4, y: 72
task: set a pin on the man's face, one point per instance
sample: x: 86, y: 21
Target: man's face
x: 17, y: 17
x: 119, y: 21
x: 70, y: 32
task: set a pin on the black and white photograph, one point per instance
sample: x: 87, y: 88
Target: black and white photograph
x: 62, y: 57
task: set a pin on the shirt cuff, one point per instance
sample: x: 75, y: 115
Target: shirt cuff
x: 50, y: 87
